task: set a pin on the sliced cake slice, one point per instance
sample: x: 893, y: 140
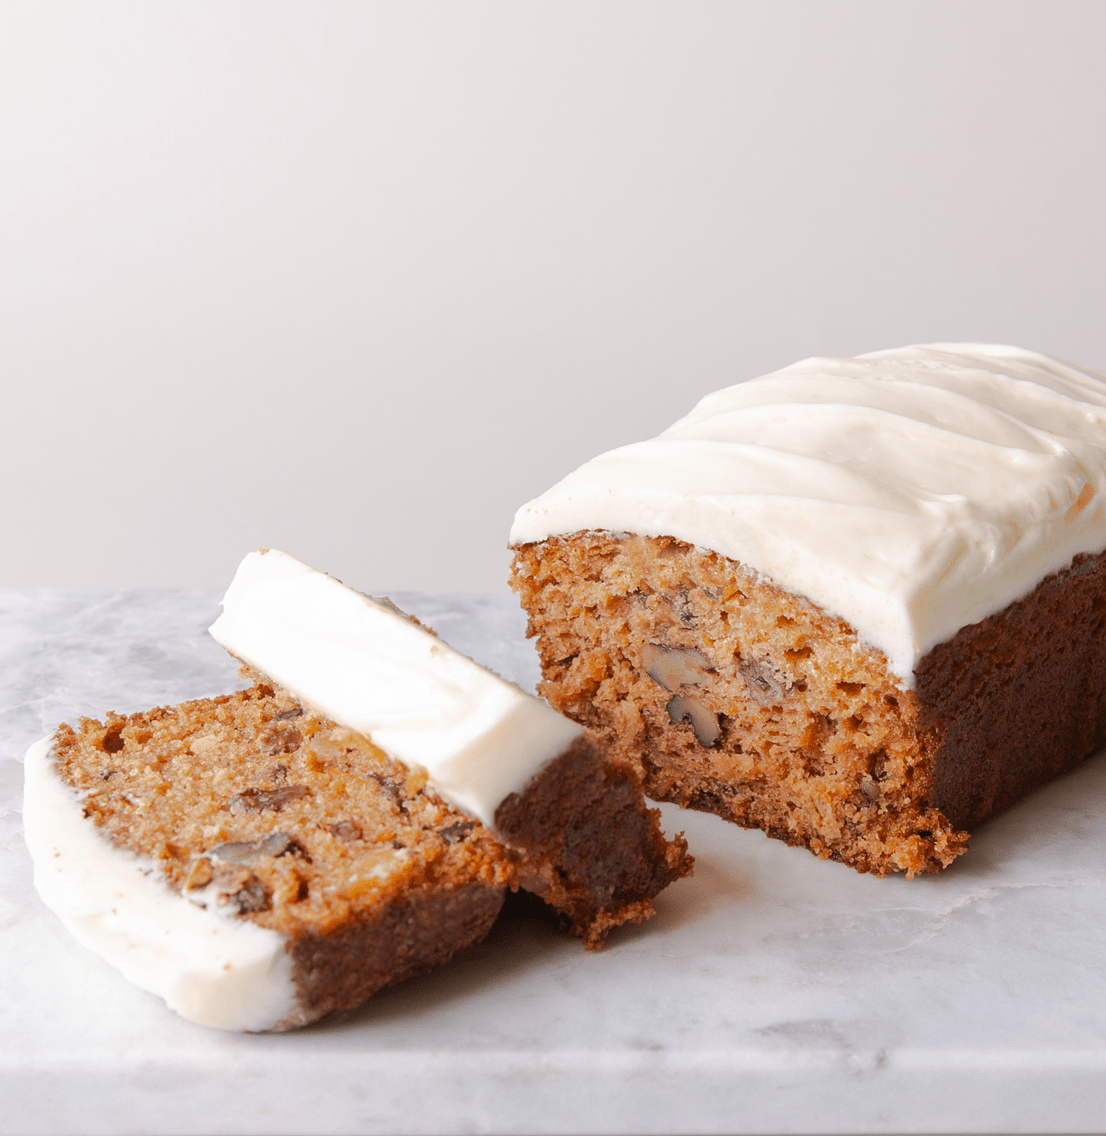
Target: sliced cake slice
x: 572, y: 820
x: 250, y: 861
x: 268, y: 857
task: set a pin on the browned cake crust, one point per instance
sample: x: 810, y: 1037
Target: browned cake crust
x: 583, y: 839
x: 736, y: 697
x: 341, y: 969
x: 1020, y: 697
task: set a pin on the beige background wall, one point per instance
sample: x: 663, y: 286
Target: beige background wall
x: 356, y: 280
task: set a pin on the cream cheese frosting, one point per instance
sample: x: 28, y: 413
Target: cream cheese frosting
x: 910, y: 492
x: 212, y: 968
x: 370, y: 668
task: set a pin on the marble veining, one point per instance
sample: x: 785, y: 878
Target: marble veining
x: 773, y: 992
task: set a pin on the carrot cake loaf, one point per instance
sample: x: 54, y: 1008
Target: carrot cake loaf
x: 264, y: 858
x: 857, y: 603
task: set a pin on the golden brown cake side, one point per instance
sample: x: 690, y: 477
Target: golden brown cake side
x: 736, y: 697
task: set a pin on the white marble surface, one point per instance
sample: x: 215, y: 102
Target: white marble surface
x: 772, y: 993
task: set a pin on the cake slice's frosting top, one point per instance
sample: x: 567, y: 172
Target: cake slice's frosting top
x: 910, y: 492
x: 372, y: 669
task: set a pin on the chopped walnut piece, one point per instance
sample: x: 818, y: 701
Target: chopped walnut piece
x: 345, y: 830
x: 679, y: 603
x: 457, y: 831
x: 283, y: 739
x: 253, y: 895
x: 764, y: 688
x: 393, y: 791
x: 246, y: 851
x: 256, y: 800
x: 674, y: 667
x: 682, y: 707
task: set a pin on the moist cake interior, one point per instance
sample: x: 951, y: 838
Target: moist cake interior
x: 294, y: 823
x: 736, y: 697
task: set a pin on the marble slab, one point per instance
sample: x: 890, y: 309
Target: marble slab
x: 772, y: 993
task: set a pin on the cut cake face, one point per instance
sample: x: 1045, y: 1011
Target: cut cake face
x: 856, y: 603
x: 259, y: 861
x: 250, y: 861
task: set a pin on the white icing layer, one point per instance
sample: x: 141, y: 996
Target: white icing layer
x: 910, y: 492
x: 213, y: 969
x: 373, y: 670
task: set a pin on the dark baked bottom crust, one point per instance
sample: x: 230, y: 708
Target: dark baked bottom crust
x: 736, y: 697
x: 339, y: 970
